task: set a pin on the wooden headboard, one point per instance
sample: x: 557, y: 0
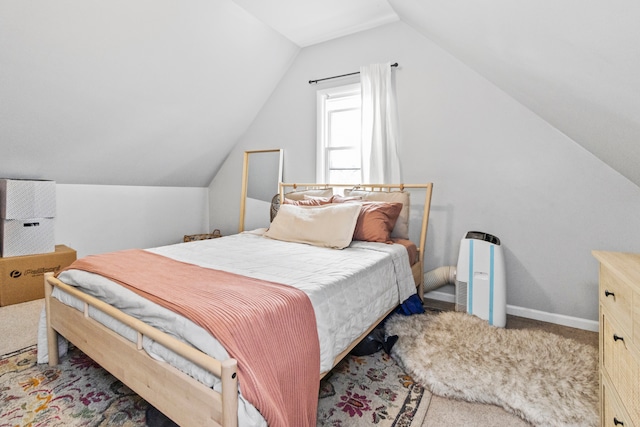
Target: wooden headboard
x: 412, y: 188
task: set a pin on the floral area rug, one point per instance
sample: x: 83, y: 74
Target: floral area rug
x: 77, y: 392
x: 371, y: 390
x: 360, y: 391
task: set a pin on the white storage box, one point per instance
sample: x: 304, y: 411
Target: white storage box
x: 27, y: 236
x: 23, y: 199
x: 27, y: 217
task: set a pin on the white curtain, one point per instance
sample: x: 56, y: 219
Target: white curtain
x: 380, y: 162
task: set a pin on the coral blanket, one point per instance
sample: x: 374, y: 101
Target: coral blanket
x: 268, y: 327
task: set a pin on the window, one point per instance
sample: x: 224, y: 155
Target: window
x: 339, y: 159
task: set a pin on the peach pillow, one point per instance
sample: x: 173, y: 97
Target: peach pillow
x: 401, y: 229
x: 376, y: 221
x: 329, y: 226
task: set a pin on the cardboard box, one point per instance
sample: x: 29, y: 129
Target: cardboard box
x: 20, y: 237
x: 25, y: 199
x: 22, y: 278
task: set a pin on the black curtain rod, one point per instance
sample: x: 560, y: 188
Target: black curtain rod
x: 341, y: 75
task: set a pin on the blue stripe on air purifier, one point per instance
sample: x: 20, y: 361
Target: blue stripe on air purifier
x: 491, y: 275
x: 470, y: 291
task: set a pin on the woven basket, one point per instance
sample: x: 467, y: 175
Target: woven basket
x: 193, y: 237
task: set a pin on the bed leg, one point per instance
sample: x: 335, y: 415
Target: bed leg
x: 421, y: 290
x: 52, y: 335
x: 229, y: 393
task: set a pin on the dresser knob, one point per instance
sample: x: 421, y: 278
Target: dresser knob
x: 617, y: 337
x: 617, y: 422
x: 607, y: 293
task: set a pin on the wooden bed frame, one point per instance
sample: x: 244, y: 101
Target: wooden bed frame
x: 180, y: 397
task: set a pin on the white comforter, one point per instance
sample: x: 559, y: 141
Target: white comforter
x: 349, y: 290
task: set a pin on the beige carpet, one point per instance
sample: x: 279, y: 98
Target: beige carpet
x: 19, y: 325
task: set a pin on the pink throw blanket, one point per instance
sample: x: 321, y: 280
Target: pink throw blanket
x: 268, y: 327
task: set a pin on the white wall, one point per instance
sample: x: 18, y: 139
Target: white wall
x: 95, y: 219
x: 496, y: 167
x: 257, y: 214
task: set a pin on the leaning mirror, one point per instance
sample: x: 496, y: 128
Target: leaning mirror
x: 262, y: 171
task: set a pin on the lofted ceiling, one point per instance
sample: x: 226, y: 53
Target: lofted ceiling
x: 574, y: 63
x: 142, y: 92
x: 99, y: 78
x: 307, y: 22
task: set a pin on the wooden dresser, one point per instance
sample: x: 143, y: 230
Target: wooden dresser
x: 619, y: 338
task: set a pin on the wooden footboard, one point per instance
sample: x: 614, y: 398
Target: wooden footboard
x: 180, y: 397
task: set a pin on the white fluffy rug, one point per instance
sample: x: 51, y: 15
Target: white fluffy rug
x: 543, y: 378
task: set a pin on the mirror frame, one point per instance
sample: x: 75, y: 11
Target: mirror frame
x: 245, y: 179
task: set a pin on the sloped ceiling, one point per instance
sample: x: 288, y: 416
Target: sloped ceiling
x: 157, y: 92
x: 307, y: 22
x: 575, y: 63
x: 142, y: 92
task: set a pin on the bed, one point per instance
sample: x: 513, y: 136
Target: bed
x: 122, y: 332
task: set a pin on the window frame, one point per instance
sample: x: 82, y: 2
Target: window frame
x: 323, y: 123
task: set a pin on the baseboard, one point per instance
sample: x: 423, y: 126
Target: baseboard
x: 528, y: 313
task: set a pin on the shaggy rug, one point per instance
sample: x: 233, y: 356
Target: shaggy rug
x: 360, y: 391
x: 543, y: 378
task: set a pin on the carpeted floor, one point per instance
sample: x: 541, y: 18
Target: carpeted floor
x: 18, y: 330
x: 18, y: 325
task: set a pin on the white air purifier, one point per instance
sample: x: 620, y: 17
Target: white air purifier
x: 481, y: 279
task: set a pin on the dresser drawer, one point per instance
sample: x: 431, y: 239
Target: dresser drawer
x: 620, y: 365
x: 612, y: 414
x: 616, y: 296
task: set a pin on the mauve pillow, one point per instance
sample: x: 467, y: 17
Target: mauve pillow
x: 311, y: 201
x: 376, y: 221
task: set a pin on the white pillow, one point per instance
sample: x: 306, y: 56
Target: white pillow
x: 401, y: 229
x: 299, y: 194
x: 329, y: 226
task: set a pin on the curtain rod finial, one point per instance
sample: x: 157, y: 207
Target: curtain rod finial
x: 395, y: 64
